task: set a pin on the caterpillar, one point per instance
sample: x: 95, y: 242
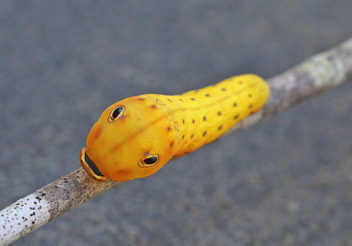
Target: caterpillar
x: 135, y: 137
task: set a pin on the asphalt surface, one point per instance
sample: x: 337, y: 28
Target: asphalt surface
x: 285, y: 181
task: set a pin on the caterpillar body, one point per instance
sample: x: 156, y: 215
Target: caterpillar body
x: 135, y: 137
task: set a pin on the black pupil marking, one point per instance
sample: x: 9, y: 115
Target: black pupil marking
x: 150, y: 160
x: 92, y: 166
x: 116, y: 112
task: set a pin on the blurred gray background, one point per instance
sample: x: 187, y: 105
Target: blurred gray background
x: 285, y: 181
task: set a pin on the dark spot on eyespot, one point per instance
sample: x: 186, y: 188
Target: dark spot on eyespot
x: 220, y: 127
x: 141, y: 99
x: 153, y: 106
x: 207, y: 95
x: 183, y: 136
x: 181, y: 100
x: 236, y: 117
x: 183, y: 121
x: 192, y: 136
x: 204, y: 118
x: 223, y: 89
x: 116, y: 112
x: 192, y: 99
x: 204, y: 133
x: 193, y: 121
x: 172, y: 143
x: 169, y: 99
x: 219, y: 113
x: 250, y: 95
x: 235, y: 104
x: 240, y: 82
x: 250, y: 106
x: 169, y: 128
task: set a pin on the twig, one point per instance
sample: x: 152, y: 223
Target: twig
x: 319, y: 73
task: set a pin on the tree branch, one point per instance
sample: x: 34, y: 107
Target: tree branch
x: 317, y: 74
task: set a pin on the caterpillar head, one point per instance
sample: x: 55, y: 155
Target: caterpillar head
x: 132, y: 139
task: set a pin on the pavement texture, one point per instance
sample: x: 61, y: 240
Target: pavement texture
x: 285, y: 181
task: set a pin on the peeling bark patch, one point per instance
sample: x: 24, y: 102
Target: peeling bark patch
x: 23, y: 217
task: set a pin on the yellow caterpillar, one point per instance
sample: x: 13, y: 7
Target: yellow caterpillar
x: 135, y: 137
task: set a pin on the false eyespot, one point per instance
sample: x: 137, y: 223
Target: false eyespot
x: 159, y: 128
x: 116, y: 113
x: 148, y: 161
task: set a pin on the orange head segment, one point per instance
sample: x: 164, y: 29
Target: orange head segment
x: 129, y: 140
